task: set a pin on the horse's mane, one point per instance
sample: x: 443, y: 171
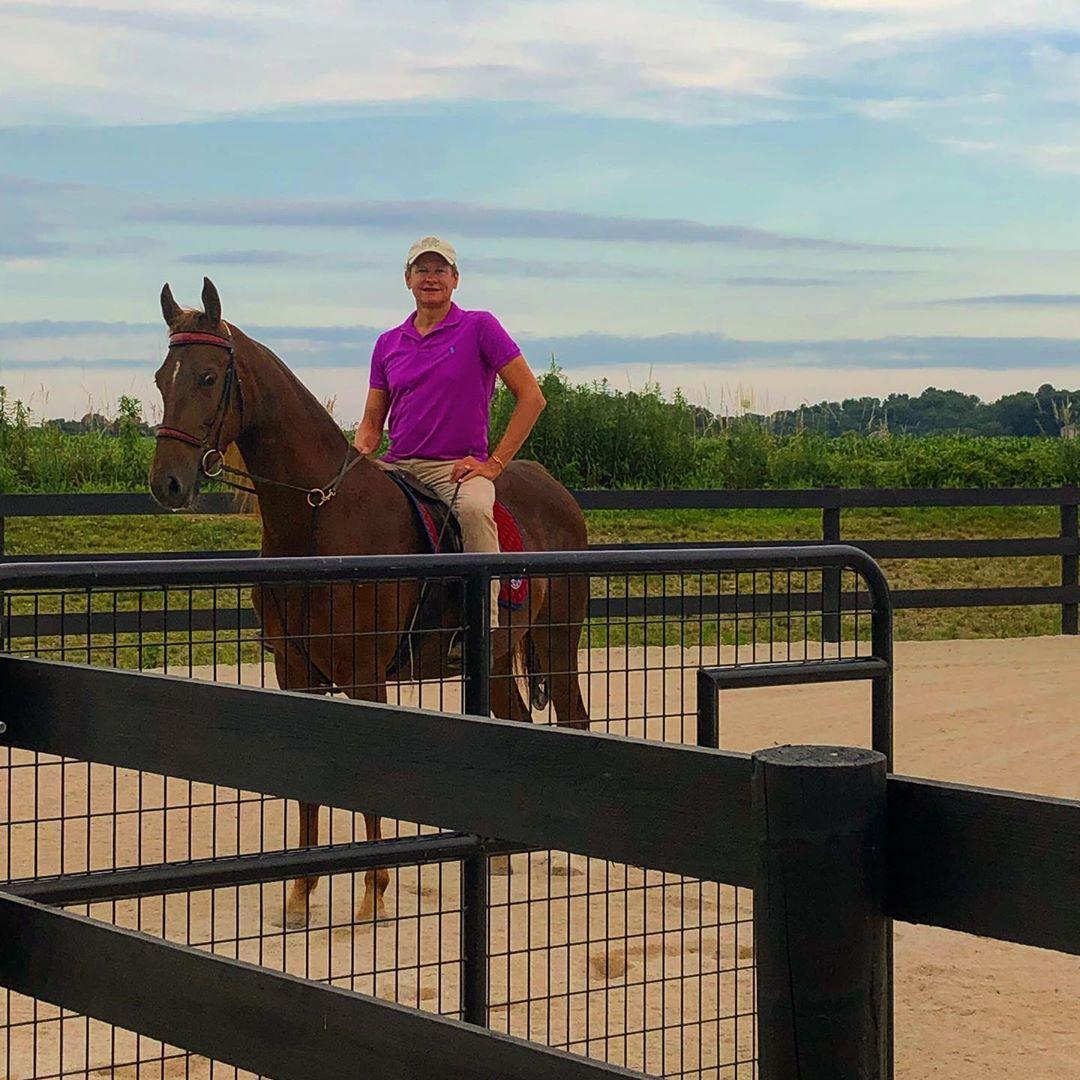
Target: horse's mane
x: 267, y: 354
x: 248, y: 503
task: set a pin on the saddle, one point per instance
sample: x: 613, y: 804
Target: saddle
x: 444, y: 532
x: 444, y: 535
x: 433, y: 512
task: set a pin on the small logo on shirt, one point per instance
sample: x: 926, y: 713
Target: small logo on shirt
x: 451, y: 348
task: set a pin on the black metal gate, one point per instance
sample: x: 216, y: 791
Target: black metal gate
x: 139, y: 812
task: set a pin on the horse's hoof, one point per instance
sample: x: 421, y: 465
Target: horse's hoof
x: 564, y: 869
x: 365, y: 914
x: 297, y: 912
x: 294, y: 918
x: 499, y: 865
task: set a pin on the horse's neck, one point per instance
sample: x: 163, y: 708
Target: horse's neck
x: 289, y: 436
x: 284, y: 424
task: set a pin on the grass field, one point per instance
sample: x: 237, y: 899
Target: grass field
x: 194, y: 532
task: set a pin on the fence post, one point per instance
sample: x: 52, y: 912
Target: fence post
x: 819, y: 932
x: 474, y: 867
x: 830, y: 579
x: 1070, y: 564
x: 3, y: 636
x: 477, y: 644
x: 708, y: 712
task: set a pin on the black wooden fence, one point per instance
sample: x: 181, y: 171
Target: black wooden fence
x: 1065, y: 546
x: 832, y: 846
x: 993, y: 863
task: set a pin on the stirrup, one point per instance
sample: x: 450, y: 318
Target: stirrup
x: 454, y: 651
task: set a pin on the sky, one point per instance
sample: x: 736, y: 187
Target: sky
x: 763, y: 202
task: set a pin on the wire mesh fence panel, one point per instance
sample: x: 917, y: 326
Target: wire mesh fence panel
x: 625, y: 964
x: 638, y: 967
x: 413, y: 958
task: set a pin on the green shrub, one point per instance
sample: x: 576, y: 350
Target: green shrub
x: 595, y: 436
x: 44, y: 458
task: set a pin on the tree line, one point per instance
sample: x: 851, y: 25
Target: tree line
x: 1047, y: 411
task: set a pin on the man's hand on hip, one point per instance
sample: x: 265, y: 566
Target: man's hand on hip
x: 468, y: 467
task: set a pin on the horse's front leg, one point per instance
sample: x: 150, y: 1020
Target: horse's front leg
x: 292, y: 668
x: 362, y: 675
x: 298, y: 904
x: 280, y: 612
x: 373, y: 904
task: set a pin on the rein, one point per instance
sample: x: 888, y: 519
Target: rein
x: 213, y: 464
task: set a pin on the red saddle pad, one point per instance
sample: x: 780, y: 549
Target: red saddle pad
x: 514, y: 591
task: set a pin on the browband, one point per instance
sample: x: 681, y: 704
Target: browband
x: 195, y: 337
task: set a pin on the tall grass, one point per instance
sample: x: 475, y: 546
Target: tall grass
x: 594, y: 436
x: 44, y: 458
x: 748, y: 455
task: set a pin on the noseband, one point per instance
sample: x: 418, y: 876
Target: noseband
x: 212, y: 463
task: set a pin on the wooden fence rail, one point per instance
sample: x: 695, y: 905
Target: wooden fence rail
x: 987, y: 862
x: 265, y: 1021
x: 1065, y: 546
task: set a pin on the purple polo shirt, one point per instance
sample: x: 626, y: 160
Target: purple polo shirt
x: 441, y: 384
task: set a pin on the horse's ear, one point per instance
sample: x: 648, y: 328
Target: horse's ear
x: 211, y: 302
x: 170, y: 309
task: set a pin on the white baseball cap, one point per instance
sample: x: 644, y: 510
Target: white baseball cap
x: 433, y: 244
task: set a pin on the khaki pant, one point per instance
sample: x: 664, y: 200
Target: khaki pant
x: 474, y: 509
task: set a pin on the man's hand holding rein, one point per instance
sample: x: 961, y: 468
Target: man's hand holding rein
x: 468, y: 467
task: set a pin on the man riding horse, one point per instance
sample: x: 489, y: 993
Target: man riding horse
x: 319, y: 497
x: 434, y: 375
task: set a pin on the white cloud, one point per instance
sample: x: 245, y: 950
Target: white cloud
x: 899, y: 19
x: 906, y: 108
x: 1050, y: 157
x: 167, y: 60
x: 1057, y: 71
x: 122, y: 64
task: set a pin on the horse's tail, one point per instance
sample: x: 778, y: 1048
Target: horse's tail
x: 528, y: 661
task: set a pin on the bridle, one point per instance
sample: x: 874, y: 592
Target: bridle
x: 212, y: 464
x: 209, y: 446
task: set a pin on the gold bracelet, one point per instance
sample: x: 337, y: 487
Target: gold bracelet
x: 502, y: 464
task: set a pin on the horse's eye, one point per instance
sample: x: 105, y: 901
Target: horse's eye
x: 207, y: 378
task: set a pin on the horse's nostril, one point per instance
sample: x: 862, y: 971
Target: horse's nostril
x: 174, y: 486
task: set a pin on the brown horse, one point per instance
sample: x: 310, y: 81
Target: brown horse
x: 219, y: 387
